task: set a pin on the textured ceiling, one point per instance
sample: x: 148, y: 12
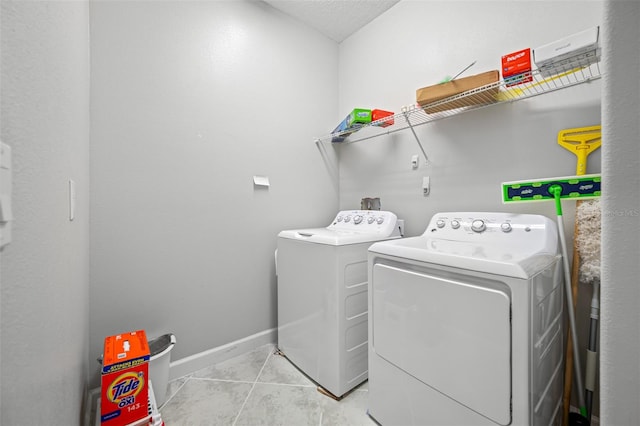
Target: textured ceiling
x: 337, y: 19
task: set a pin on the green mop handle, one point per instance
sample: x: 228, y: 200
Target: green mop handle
x: 556, y: 191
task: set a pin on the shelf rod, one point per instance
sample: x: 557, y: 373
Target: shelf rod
x: 406, y: 117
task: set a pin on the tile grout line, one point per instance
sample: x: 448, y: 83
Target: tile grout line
x: 252, y: 387
x: 208, y: 379
x: 187, y: 378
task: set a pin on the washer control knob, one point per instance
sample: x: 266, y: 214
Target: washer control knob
x: 380, y: 220
x: 371, y: 219
x: 357, y: 219
x: 340, y: 218
x: 440, y: 223
x: 478, y: 225
x: 506, y: 227
x: 455, y: 224
x: 347, y: 219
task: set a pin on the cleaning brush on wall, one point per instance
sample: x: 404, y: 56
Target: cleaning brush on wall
x: 588, y: 220
x: 569, y: 187
x: 580, y: 141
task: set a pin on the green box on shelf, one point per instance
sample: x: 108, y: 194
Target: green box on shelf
x: 352, y: 122
x: 359, y: 116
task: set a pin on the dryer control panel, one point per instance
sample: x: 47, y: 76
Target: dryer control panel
x: 370, y: 221
x: 488, y: 227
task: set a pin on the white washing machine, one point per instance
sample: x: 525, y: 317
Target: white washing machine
x: 322, y: 296
x: 466, y: 323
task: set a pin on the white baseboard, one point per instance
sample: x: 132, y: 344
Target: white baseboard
x: 193, y: 363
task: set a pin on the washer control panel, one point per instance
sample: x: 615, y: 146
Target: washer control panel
x: 475, y: 226
x: 373, y: 221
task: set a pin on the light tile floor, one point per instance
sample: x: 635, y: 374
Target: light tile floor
x: 258, y: 388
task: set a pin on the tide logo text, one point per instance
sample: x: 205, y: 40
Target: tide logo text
x: 125, y: 387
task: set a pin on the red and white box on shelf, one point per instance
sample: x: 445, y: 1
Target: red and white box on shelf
x: 516, y: 67
x: 381, y: 118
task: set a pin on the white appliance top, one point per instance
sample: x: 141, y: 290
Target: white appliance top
x: 513, y: 245
x: 350, y: 227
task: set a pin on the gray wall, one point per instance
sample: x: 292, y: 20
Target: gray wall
x: 45, y: 270
x: 190, y: 100
x: 620, y: 337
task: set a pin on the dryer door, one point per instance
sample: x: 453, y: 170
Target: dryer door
x: 453, y: 336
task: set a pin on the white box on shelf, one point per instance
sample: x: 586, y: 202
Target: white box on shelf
x: 577, y: 50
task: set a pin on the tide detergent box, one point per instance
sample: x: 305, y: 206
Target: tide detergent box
x: 516, y: 67
x: 125, y: 379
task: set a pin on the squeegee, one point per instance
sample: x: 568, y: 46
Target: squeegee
x: 568, y: 187
x: 581, y: 141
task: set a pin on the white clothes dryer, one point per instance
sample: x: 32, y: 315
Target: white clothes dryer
x: 322, y: 296
x: 466, y: 323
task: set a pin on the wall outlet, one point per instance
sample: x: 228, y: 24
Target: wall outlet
x: 426, y: 185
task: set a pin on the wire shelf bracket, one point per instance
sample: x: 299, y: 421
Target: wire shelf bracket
x: 405, y: 112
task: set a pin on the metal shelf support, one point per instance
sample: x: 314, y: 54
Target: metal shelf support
x: 405, y: 112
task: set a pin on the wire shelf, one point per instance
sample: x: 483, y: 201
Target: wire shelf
x: 544, y: 80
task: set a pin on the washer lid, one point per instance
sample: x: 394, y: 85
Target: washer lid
x: 492, y: 258
x: 350, y: 227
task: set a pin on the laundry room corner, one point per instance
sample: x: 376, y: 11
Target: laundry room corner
x: 466, y: 157
x: 191, y: 101
x: 184, y: 240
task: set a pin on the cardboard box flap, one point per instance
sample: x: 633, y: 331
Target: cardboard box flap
x: 124, y: 350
